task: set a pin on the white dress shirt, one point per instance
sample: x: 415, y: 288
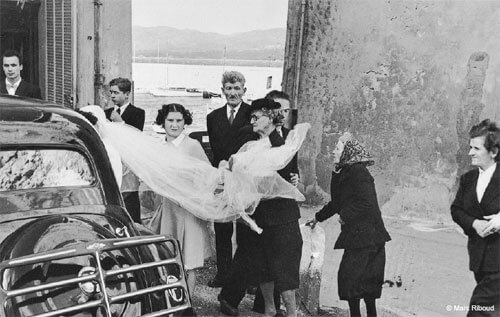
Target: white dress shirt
x: 122, y: 108
x: 483, y: 180
x: 228, y: 108
x: 11, y: 88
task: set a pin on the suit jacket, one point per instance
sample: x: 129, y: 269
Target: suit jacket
x: 484, y: 253
x: 277, y: 211
x: 226, y: 139
x: 24, y: 89
x: 354, y: 198
x: 132, y: 115
x: 295, y: 165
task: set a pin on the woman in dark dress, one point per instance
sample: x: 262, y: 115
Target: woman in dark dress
x: 279, y: 247
x: 363, y: 235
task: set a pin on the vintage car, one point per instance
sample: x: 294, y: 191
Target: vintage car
x: 67, y: 245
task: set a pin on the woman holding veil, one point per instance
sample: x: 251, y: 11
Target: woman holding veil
x: 174, y: 219
x: 231, y: 191
x: 280, y: 244
x: 248, y: 181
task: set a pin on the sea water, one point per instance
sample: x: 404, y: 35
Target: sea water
x: 148, y: 77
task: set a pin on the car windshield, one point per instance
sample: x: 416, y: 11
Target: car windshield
x: 41, y: 168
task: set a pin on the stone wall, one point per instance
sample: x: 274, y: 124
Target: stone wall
x: 407, y: 78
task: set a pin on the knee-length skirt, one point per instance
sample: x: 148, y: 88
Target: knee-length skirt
x: 361, y: 272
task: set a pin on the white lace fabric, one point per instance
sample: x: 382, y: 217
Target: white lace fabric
x: 213, y: 194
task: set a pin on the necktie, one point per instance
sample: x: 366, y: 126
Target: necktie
x: 119, y: 110
x: 280, y: 132
x: 231, y: 117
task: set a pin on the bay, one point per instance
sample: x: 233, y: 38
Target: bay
x: 149, y: 78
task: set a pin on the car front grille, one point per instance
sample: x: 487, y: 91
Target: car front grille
x: 102, y: 278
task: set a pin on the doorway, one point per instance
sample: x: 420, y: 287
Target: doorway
x: 19, y: 31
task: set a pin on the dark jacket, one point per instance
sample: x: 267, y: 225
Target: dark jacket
x: 277, y: 211
x: 24, y: 89
x: 295, y: 165
x: 484, y: 253
x: 132, y: 115
x: 225, y: 138
x: 355, y: 200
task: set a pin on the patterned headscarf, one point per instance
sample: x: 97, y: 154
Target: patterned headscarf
x: 354, y: 152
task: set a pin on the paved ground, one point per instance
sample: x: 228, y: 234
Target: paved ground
x: 431, y: 261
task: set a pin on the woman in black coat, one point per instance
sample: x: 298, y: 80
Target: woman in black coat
x: 476, y: 209
x: 363, y: 235
x: 277, y: 257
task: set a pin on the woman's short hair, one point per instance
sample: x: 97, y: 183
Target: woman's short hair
x: 233, y: 77
x: 173, y: 107
x: 491, y: 132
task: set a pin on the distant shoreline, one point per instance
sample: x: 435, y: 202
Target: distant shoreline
x: 206, y: 61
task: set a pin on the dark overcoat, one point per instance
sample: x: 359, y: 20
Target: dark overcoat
x: 354, y: 198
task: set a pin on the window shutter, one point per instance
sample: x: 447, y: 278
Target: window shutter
x: 59, y: 51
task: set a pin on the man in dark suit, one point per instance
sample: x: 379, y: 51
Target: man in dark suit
x: 224, y: 126
x: 284, y: 100
x: 123, y: 110
x: 13, y: 83
x: 476, y: 209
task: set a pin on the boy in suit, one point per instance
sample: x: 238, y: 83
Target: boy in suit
x: 123, y: 110
x: 13, y: 84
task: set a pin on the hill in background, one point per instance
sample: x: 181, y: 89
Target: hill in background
x: 255, y: 47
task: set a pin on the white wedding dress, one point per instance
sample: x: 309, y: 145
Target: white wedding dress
x: 216, y: 194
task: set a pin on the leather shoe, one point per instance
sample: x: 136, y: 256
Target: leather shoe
x: 214, y: 283
x: 227, y: 309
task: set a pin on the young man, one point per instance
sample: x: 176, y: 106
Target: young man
x: 224, y: 126
x: 13, y: 83
x: 123, y: 110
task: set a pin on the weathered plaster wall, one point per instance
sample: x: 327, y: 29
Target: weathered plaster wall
x: 407, y: 78
x: 115, y: 45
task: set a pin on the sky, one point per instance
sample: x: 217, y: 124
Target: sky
x: 219, y: 16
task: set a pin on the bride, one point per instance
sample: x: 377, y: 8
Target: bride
x: 222, y: 194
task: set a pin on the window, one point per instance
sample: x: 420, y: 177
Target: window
x: 41, y: 168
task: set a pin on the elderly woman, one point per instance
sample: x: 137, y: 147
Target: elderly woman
x: 363, y: 235
x: 476, y: 209
x: 280, y: 244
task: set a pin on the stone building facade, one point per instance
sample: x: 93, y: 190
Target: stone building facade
x: 407, y: 78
